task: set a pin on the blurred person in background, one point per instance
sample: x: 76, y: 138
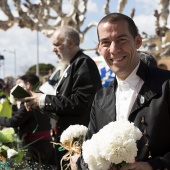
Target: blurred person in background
x: 5, y: 105
x: 33, y: 127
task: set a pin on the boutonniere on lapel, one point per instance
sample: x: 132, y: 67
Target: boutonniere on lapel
x: 65, y: 75
x: 142, y: 100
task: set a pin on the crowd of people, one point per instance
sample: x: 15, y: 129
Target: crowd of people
x: 139, y: 93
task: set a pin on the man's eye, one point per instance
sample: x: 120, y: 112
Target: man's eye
x: 56, y: 44
x: 105, y: 44
x: 122, y: 40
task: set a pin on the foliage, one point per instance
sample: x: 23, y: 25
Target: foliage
x: 7, y: 135
x: 9, y: 151
x: 44, y: 69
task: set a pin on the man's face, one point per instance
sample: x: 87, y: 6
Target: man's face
x: 118, y: 47
x: 61, y: 48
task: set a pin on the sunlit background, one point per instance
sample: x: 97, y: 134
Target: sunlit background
x: 19, y: 46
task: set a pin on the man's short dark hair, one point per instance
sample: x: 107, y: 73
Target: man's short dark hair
x: 114, y: 17
x: 31, y: 78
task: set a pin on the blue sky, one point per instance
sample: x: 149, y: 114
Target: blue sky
x: 24, y: 41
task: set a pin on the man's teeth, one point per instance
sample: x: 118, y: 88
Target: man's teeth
x: 118, y: 59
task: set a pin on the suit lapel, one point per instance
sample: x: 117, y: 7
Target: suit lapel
x: 64, y: 76
x: 144, y: 96
x: 112, y: 100
x: 146, y: 93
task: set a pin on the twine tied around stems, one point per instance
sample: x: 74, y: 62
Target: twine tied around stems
x: 73, y: 147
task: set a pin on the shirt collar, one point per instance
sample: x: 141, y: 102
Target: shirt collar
x: 131, y: 80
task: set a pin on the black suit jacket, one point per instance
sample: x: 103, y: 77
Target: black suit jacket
x: 150, y: 113
x: 75, y: 93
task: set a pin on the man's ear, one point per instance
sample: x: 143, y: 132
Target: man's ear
x: 71, y: 43
x: 138, y: 41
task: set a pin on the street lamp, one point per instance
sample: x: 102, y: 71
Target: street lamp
x: 37, y: 66
x: 1, y: 63
x: 15, y: 63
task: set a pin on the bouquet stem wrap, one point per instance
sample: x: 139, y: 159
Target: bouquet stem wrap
x: 73, y: 147
x: 71, y: 140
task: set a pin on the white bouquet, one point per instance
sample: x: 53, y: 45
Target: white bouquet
x: 71, y: 140
x: 115, y: 144
x: 73, y: 132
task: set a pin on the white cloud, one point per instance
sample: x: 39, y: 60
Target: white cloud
x: 92, y: 6
x: 3, y: 16
x: 24, y: 42
x: 145, y: 23
x: 146, y: 5
x: 67, y: 7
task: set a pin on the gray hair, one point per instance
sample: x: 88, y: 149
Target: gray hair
x: 69, y: 33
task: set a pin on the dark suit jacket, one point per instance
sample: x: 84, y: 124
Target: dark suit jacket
x: 150, y: 113
x: 75, y: 93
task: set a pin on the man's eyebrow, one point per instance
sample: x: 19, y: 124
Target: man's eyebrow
x: 120, y: 36
x: 103, y: 39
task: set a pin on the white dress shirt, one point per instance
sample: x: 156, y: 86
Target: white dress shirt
x: 43, y: 96
x: 126, y: 94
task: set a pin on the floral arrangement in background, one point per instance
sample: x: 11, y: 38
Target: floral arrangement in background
x: 13, y: 154
x: 8, y: 150
x: 71, y: 140
x: 114, y: 144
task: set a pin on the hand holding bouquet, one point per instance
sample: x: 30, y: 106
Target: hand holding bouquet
x: 71, y: 140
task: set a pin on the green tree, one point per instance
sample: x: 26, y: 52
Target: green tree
x: 44, y: 69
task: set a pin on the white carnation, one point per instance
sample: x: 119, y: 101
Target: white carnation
x: 71, y: 140
x: 114, y: 143
x: 73, y: 131
x: 11, y: 152
x: 90, y: 151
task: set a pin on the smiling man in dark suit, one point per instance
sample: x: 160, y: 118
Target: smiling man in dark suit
x: 139, y: 93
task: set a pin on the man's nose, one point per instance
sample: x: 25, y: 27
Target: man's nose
x: 114, y: 47
x: 54, y: 49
